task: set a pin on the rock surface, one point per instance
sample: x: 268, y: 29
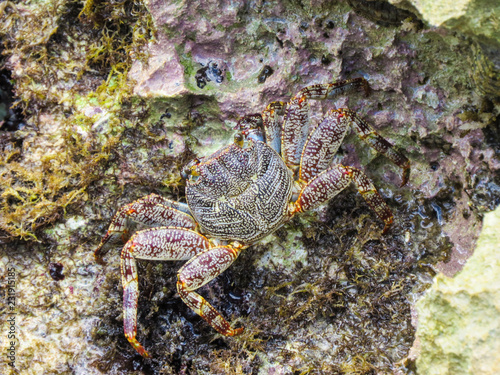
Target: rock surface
x: 113, y: 113
x: 459, y: 318
x: 478, y: 18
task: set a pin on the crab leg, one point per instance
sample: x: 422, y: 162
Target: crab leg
x: 153, y: 244
x: 197, y: 272
x: 329, y: 183
x: 325, y: 139
x: 322, y: 145
x: 151, y: 210
x: 374, y: 140
x: 272, y: 126
x: 296, y: 124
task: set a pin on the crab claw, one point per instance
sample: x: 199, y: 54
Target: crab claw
x: 249, y: 122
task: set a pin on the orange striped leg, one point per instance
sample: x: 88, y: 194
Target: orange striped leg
x: 151, y: 210
x: 272, y: 126
x: 153, y: 244
x: 199, y: 271
x: 335, y: 179
x: 296, y: 122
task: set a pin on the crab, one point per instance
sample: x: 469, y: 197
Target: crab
x: 243, y: 193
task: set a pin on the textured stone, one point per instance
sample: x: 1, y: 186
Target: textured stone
x: 329, y: 293
x: 459, y: 318
x: 478, y: 18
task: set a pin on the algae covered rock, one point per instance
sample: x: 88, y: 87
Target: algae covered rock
x: 119, y: 96
x: 479, y: 18
x: 459, y: 318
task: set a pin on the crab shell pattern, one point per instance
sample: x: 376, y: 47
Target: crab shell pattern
x: 244, y: 192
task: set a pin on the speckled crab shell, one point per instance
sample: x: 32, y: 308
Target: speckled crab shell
x: 241, y: 193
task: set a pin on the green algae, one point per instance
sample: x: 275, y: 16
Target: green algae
x: 61, y: 43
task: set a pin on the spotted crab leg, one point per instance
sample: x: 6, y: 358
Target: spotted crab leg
x: 272, y: 126
x: 329, y: 183
x: 151, y: 210
x: 153, y: 244
x: 197, y: 272
x: 325, y: 139
x: 381, y: 145
x: 296, y: 123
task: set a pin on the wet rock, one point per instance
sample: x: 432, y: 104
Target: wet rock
x: 162, y: 75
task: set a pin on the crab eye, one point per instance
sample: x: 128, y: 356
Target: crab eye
x: 186, y: 172
x: 191, y: 170
x: 194, y: 171
x: 239, y: 139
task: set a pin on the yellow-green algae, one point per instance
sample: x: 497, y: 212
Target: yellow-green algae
x: 478, y: 19
x: 459, y: 317
x: 61, y: 67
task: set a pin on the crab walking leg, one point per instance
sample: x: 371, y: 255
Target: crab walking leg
x: 199, y: 271
x: 335, y: 179
x: 151, y: 210
x: 374, y: 140
x: 322, y: 145
x: 325, y: 139
x: 296, y: 123
x: 153, y: 244
x: 272, y: 127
